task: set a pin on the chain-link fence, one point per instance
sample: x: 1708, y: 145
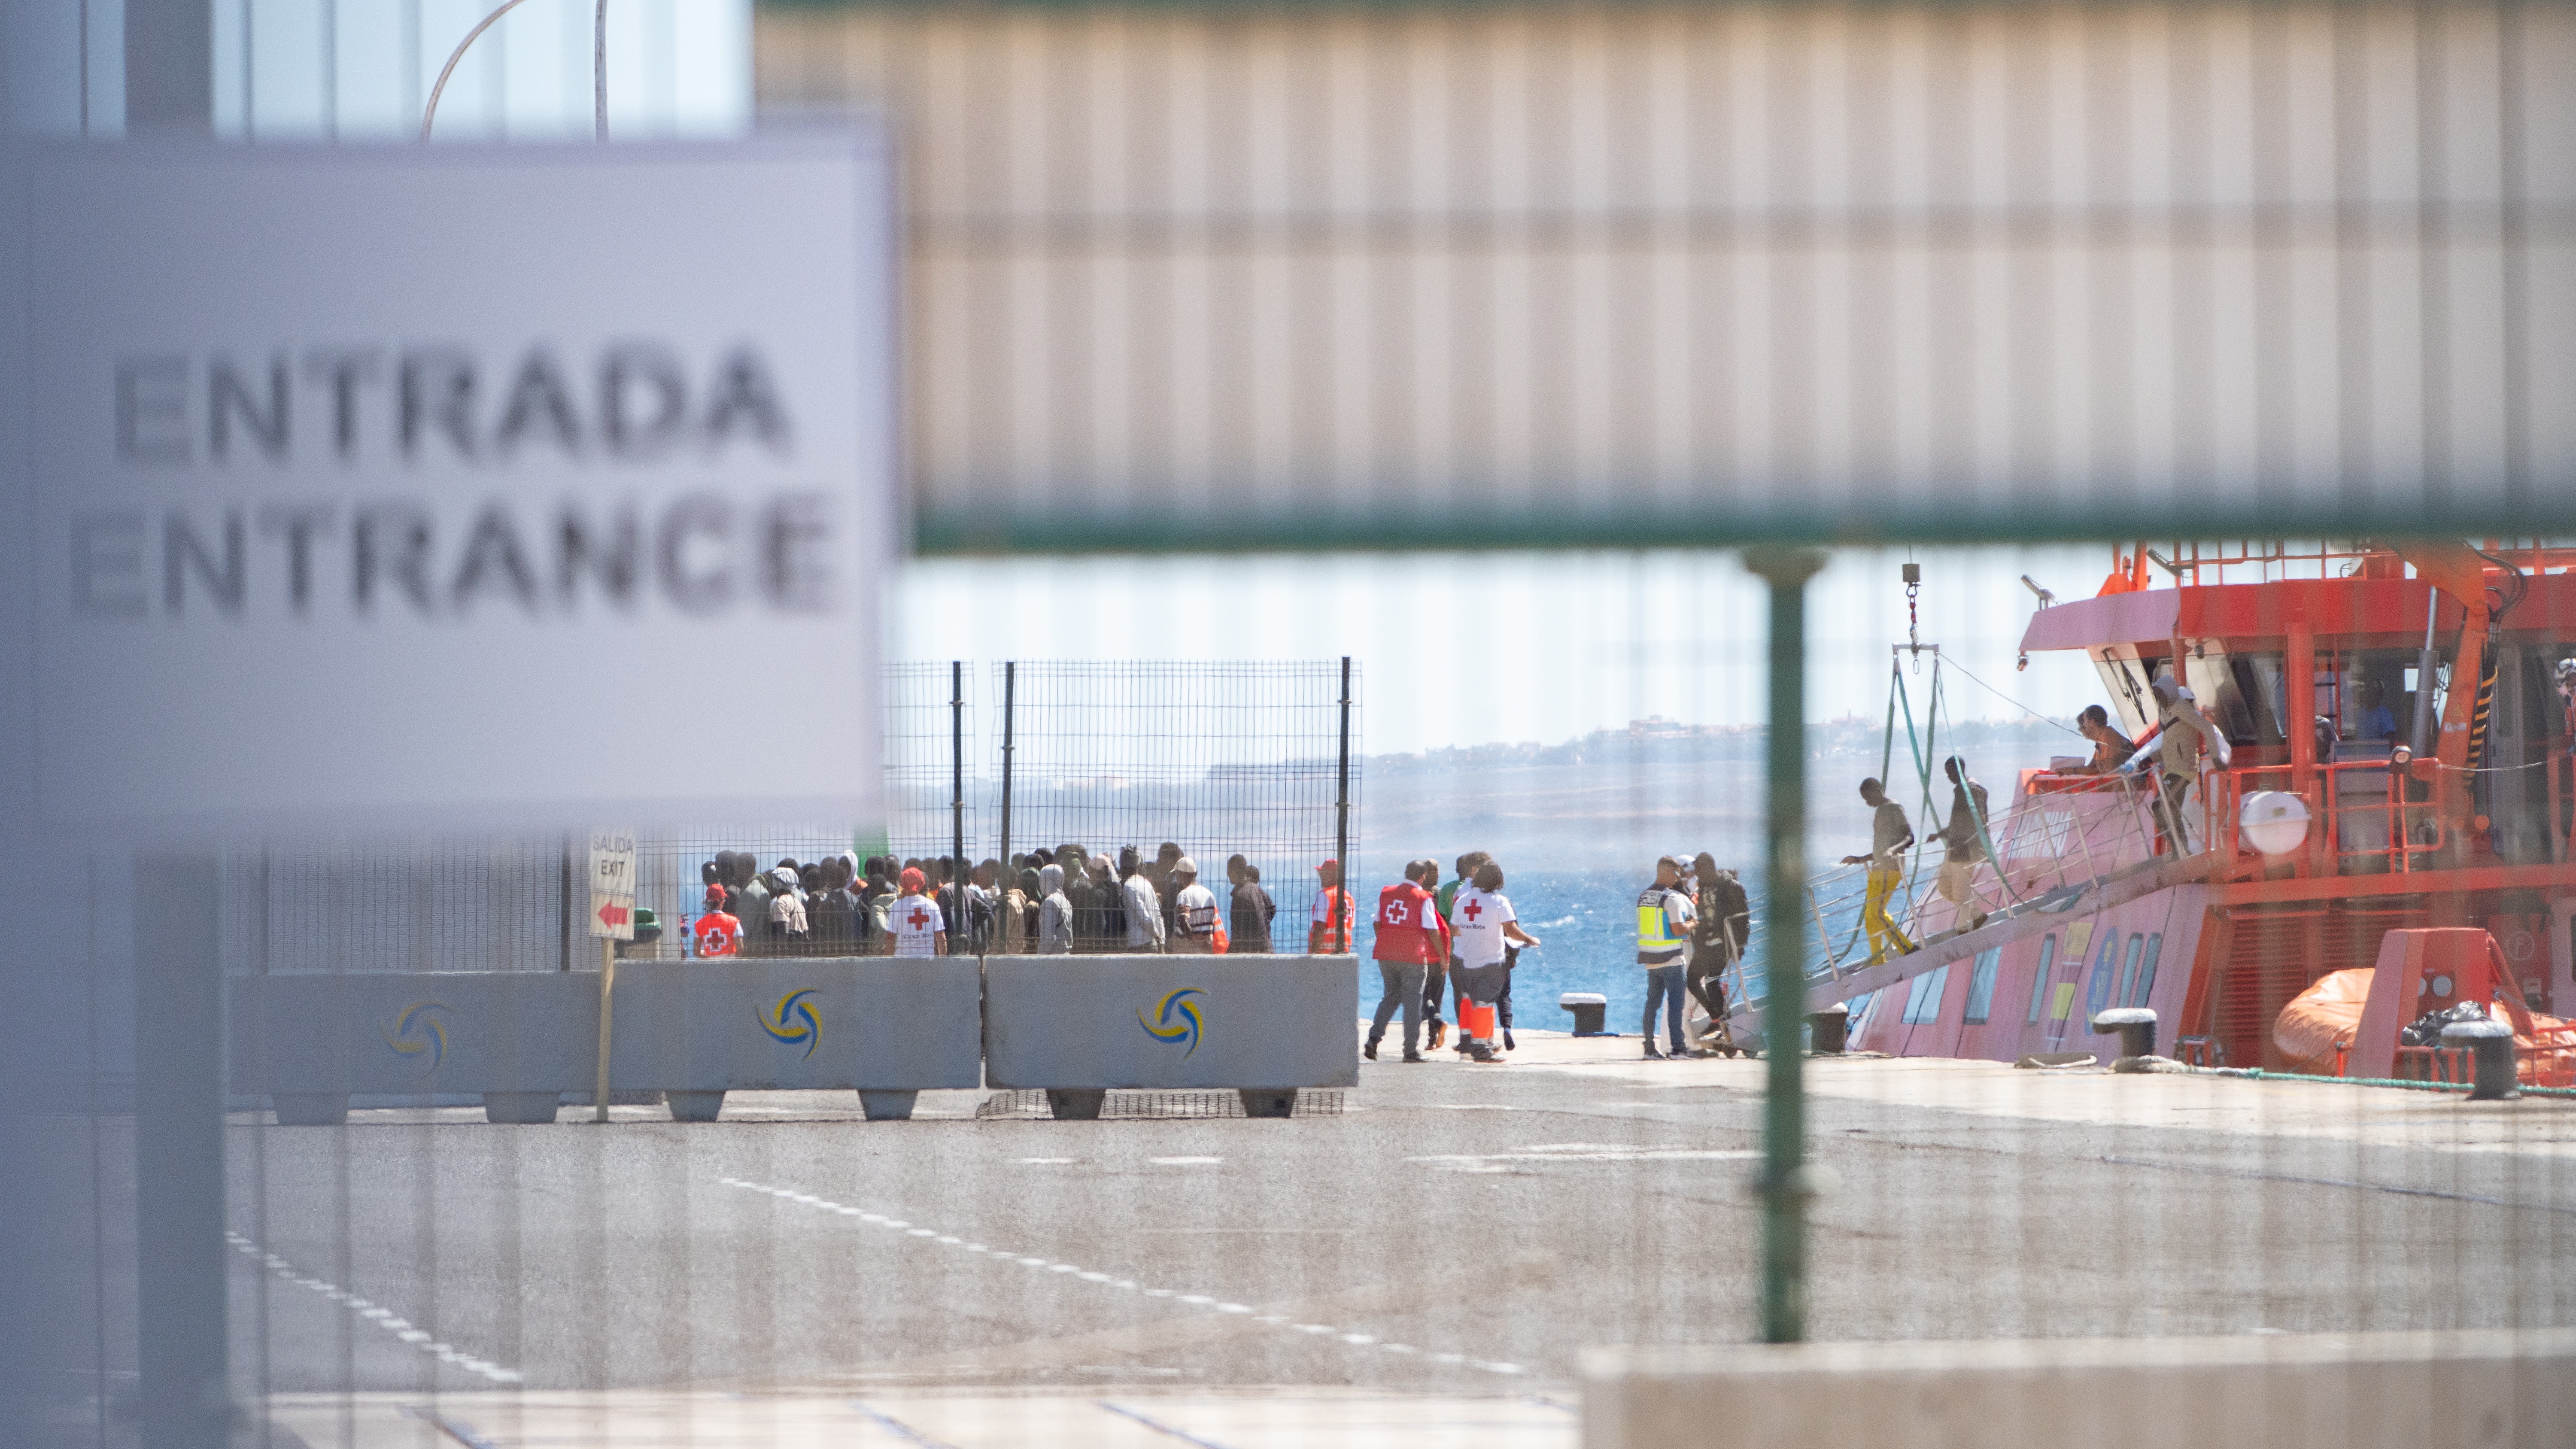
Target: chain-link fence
x: 1248, y: 771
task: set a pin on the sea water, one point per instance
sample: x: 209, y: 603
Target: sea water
x: 1586, y: 923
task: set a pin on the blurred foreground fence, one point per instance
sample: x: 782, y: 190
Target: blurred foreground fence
x: 1449, y: 275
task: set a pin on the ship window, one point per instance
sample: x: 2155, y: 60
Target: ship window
x: 2039, y: 978
x: 2258, y: 678
x: 1923, y: 1001
x: 2129, y: 970
x: 2354, y: 672
x: 1981, y: 985
x: 2126, y: 681
x: 2097, y: 994
x: 2147, y: 973
x: 2239, y: 693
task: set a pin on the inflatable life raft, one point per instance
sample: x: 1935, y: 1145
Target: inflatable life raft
x: 2319, y: 1023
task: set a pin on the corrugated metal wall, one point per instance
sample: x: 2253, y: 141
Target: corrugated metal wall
x: 1545, y: 273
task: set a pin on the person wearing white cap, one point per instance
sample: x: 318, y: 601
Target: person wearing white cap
x: 2186, y: 744
x: 1198, y: 927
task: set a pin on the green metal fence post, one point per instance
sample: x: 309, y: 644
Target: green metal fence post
x: 1784, y: 1119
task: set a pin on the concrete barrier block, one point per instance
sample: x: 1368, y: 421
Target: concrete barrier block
x: 1171, y: 1022
x: 888, y: 1106
x: 2496, y: 1389
x: 398, y: 1033
x: 694, y: 1106
x: 524, y: 1109
x: 866, y: 1022
x: 869, y: 1023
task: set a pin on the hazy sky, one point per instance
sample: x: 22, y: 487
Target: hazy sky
x: 1474, y: 648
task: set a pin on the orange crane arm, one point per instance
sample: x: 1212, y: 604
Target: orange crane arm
x: 2459, y: 571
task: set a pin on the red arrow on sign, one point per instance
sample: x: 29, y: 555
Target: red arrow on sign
x: 612, y: 914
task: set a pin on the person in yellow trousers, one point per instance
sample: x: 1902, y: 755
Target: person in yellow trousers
x: 1891, y: 834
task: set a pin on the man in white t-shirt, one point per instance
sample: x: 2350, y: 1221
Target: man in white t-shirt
x: 1144, y: 904
x: 1483, y: 922
x: 913, y: 920
x: 1198, y: 927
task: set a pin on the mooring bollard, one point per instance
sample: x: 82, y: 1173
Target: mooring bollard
x: 2490, y: 1044
x: 2136, y: 1026
x: 1829, y: 1030
x: 1590, y: 1008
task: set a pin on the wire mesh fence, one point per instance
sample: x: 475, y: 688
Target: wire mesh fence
x: 1242, y: 769
x: 1975, y: 1200
x: 1248, y: 772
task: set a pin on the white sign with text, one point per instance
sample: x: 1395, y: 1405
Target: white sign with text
x: 612, y: 883
x: 493, y: 486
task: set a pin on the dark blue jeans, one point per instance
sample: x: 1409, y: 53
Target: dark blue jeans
x: 1666, y: 986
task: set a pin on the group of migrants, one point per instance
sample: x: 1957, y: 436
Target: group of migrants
x: 2182, y: 744
x: 1461, y: 941
x: 1061, y: 901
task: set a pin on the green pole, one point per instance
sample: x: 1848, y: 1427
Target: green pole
x: 1784, y: 1118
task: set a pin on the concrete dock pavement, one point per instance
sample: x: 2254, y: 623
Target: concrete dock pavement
x: 1445, y: 1245
x: 2269, y: 1107
x: 1125, y: 1418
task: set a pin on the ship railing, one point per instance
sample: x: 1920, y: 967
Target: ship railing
x: 2067, y: 834
x: 2360, y: 809
x: 2054, y: 848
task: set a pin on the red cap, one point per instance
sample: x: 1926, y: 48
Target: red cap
x: 715, y: 894
x: 1330, y: 865
x: 911, y: 880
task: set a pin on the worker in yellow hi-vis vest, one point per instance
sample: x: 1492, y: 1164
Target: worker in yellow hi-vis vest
x: 1664, y: 919
x: 1891, y: 834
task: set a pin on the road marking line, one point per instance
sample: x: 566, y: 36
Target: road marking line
x: 899, y: 1428
x: 1158, y: 1426
x: 1487, y: 1161
x: 1077, y: 1273
x: 384, y: 1318
x: 454, y: 1428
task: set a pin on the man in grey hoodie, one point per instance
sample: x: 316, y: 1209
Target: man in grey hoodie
x: 1055, y: 913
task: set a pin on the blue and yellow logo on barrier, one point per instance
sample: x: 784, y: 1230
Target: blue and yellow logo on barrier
x: 1164, y: 1028
x: 416, y: 1034
x: 793, y: 1020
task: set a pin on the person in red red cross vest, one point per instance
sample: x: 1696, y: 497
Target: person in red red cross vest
x: 913, y: 922
x: 718, y: 932
x: 1407, y: 934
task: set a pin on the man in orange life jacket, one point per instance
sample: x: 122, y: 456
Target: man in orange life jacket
x: 717, y: 933
x: 1330, y: 931
x: 1407, y: 935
